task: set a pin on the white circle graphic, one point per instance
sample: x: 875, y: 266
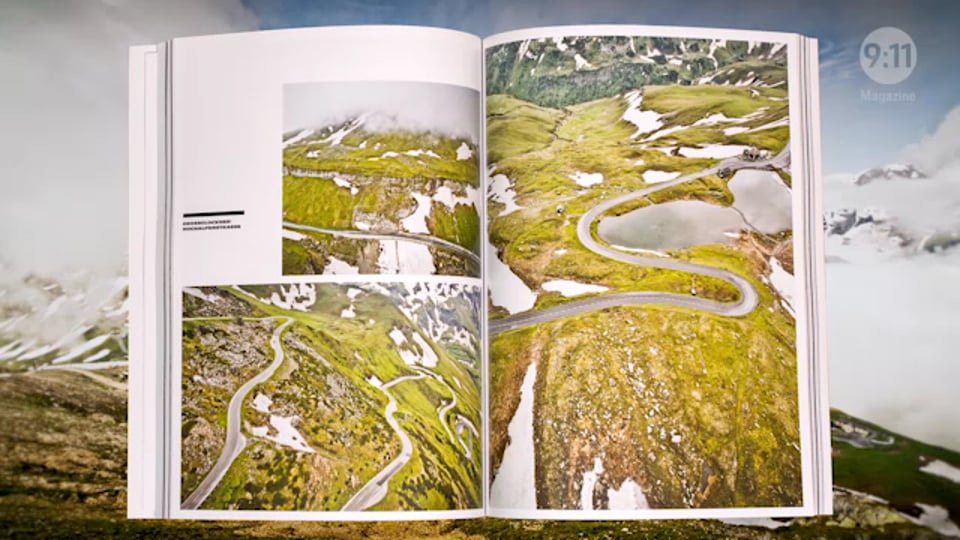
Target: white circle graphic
x: 888, y: 55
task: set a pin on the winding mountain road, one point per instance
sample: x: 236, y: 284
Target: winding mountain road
x: 235, y: 440
x: 390, y: 236
x: 376, y: 488
x: 748, y: 295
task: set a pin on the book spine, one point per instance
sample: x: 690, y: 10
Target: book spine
x: 146, y: 410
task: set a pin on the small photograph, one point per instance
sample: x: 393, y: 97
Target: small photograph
x: 331, y: 397
x: 642, y: 333
x: 381, y: 177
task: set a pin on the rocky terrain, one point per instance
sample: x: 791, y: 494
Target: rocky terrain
x: 377, y: 385
x: 564, y: 71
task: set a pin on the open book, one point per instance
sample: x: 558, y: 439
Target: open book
x: 406, y: 273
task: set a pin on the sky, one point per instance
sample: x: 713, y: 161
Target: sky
x: 893, y: 320
x: 448, y: 109
x: 63, y: 122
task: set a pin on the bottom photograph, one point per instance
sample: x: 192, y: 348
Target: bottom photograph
x: 330, y: 397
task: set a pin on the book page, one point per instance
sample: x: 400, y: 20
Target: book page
x: 647, y: 350
x: 326, y: 276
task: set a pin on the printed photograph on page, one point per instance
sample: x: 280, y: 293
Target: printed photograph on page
x: 380, y: 177
x: 643, y: 339
x: 327, y: 397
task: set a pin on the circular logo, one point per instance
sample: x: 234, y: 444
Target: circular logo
x: 888, y: 55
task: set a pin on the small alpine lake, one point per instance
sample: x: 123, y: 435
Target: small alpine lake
x: 761, y: 202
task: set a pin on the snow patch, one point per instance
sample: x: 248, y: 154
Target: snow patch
x: 337, y: 266
x: 79, y: 350
x: 588, y: 483
x: 785, y: 121
x: 287, y: 435
x: 581, y: 62
x: 417, y: 221
x: 464, y: 152
x: 500, y: 190
x: 571, y: 288
x: 292, y: 235
x: 427, y: 358
x: 445, y: 196
x: 942, y: 468
x: 298, y: 137
x: 296, y: 296
x: 937, y: 518
x: 404, y: 257
x: 713, y: 119
x: 507, y: 290
x: 336, y: 137
x: 628, y: 497
x: 664, y: 132
x: 645, y: 121
x: 261, y: 402
x: 655, y: 177
x: 522, y: 49
x: 102, y: 353
x: 716, y: 151
x: 513, y: 486
x: 420, y: 152
x: 586, y: 179
x: 783, y: 282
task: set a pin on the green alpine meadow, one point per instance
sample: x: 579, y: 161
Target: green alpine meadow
x: 367, y: 190
x: 658, y: 166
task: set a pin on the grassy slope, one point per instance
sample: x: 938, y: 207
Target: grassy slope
x: 353, y: 441
x: 383, y: 185
x: 349, y: 158
x: 590, y: 137
x: 580, y: 357
x: 903, y: 484
x: 729, y: 458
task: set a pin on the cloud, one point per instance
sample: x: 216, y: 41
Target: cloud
x: 418, y: 106
x: 63, y: 146
x: 940, y: 151
x: 921, y: 206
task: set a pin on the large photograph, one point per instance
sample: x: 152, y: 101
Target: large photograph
x: 380, y: 177
x: 643, y: 338
x: 331, y: 397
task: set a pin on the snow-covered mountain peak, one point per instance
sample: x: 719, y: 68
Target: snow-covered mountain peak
x: 894, y: 171
x: 75, y: 318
